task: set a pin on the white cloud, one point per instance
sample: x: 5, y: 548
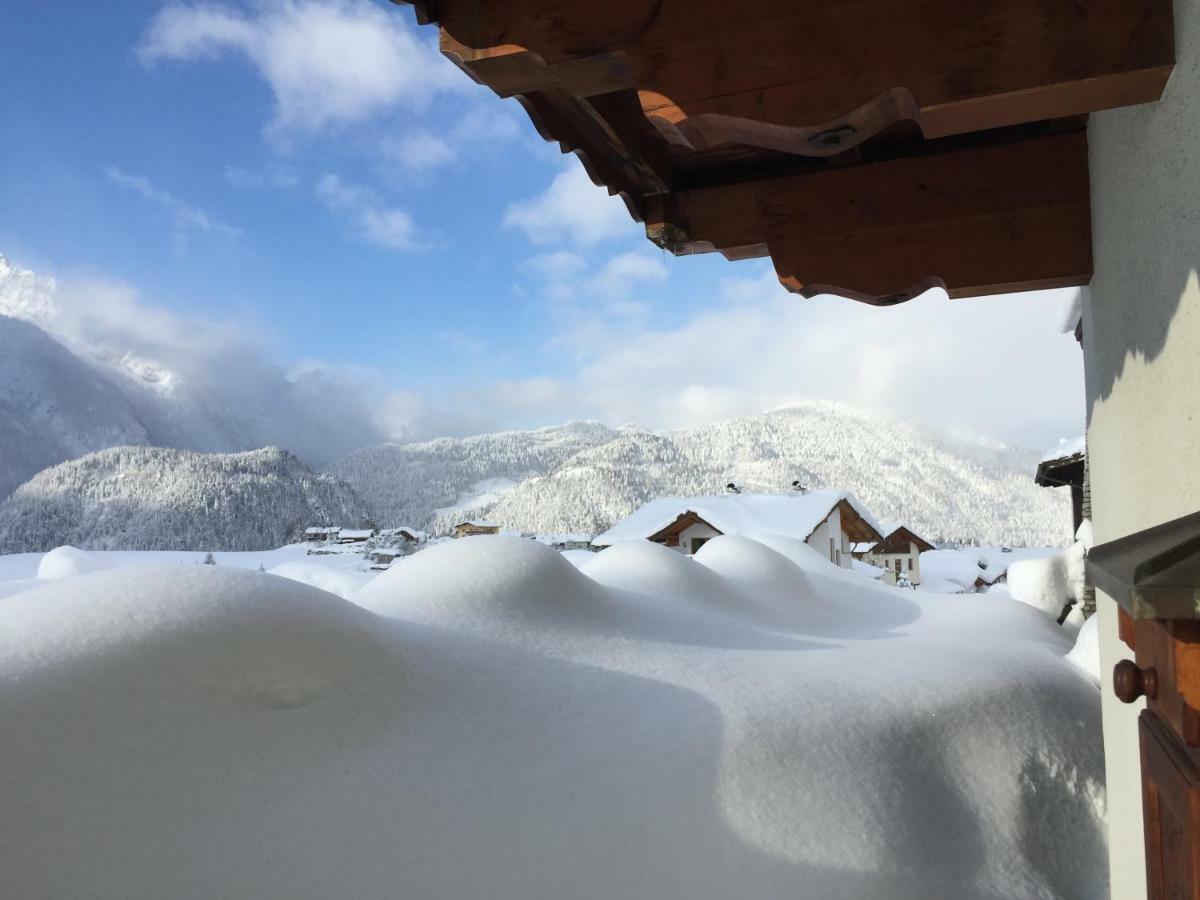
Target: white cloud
x: 614, y: 287
x: 417, y: 151
x: 327, y: 63
x: 211, y: 385
x: 374, y: 222
x: 622, y: 272
x: 571, y: 210
x: 993, y: 366
x: 184, y: 217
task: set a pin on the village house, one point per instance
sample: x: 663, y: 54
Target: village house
x: 404, y: 535
x: 381, y: 558
x: 830, y: 522
x: 575, y: 540
x: 354, y: 535
x: 473, y: 527
x: 898, y: 553
x: 318, y: 533
x: 1063, y: 466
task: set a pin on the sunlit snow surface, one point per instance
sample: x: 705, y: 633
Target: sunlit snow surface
x: 490, y: 719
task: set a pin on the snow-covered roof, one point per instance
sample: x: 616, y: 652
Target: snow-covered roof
x: 959, y: 566
x: 321, y: 529
x: 355, y: 533
x: 570, y: 537
x: 1066, y: 448
x: 966, y: 565
x: 862, y: 546
x: 479, y: 523
x: 791, y: 515
x: 414, y: 533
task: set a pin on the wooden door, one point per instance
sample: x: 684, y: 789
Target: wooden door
x: 1171, y: 794
x: 1167, y: 674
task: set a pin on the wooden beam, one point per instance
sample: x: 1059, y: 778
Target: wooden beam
x: 968, y: 67
x: 976, y: 220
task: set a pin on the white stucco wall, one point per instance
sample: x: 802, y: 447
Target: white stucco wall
x: 1142, y: 363
x: 888, y: 561
x: 831, y: 528
x: 694, y: 531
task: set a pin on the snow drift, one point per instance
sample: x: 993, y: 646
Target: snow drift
x: 500, y: 722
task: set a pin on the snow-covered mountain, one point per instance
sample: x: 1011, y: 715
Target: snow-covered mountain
x: 437, y: 482
x: 148, y: 498
x: 72, y: 381
x: 54, y: 406
x: 584, y: 476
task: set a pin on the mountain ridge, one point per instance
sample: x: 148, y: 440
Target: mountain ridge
x: 582, y: 476
x: 154, y: 498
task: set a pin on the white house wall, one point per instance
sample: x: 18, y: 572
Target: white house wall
x: 888, y: 561
x: 831, y: 528
x: 699, y: 530
x: 1141, y: 335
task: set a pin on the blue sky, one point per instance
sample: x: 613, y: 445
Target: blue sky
x: 316, y: 175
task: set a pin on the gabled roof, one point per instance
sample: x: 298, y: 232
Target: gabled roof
x: 791, y: 515
x: 901, y: 534
x: 478, y: 523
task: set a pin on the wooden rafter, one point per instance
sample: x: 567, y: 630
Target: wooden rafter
x: 966, y: 67
x: 871, y: 148
x: 979, y: 220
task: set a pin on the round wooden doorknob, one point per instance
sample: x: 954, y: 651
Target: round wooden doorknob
x: 1130, y: 682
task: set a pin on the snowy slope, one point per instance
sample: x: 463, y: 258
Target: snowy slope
x: 147, y: 498
x: 585, y: 477
x: 53, y: 406
x: 437, y: 483
x: 487, y: 720
x: 73, y: 381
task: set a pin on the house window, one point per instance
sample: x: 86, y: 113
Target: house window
x: 897, y: 567
x: 839, y: 557
x: 697, y: 543
x: 832, y: 558
x: 910, y: 564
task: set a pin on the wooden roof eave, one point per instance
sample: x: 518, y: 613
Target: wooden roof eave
x: 966, y: 68
x: 681, y: 523
x: 856, y: 528
x: 674, y: 107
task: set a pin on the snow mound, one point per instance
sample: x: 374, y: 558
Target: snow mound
x: 957, y: 566
x: 1086, y: 652
x: 266, y: 640
x: 510, y: 726
x: 579, y: 558
x: 779, y: 589
x: 644, y: 567
x: 487, y: 578
x: 336, y: 581
x: 1050, y: 583
x: 67, y: 562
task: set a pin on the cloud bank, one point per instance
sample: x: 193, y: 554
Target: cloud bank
x: 327, y: 63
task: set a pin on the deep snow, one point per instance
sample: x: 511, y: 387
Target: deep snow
x: 489, y: 718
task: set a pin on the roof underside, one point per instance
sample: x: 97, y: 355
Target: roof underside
x: 1059, y: 472
x: 872, y: 148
